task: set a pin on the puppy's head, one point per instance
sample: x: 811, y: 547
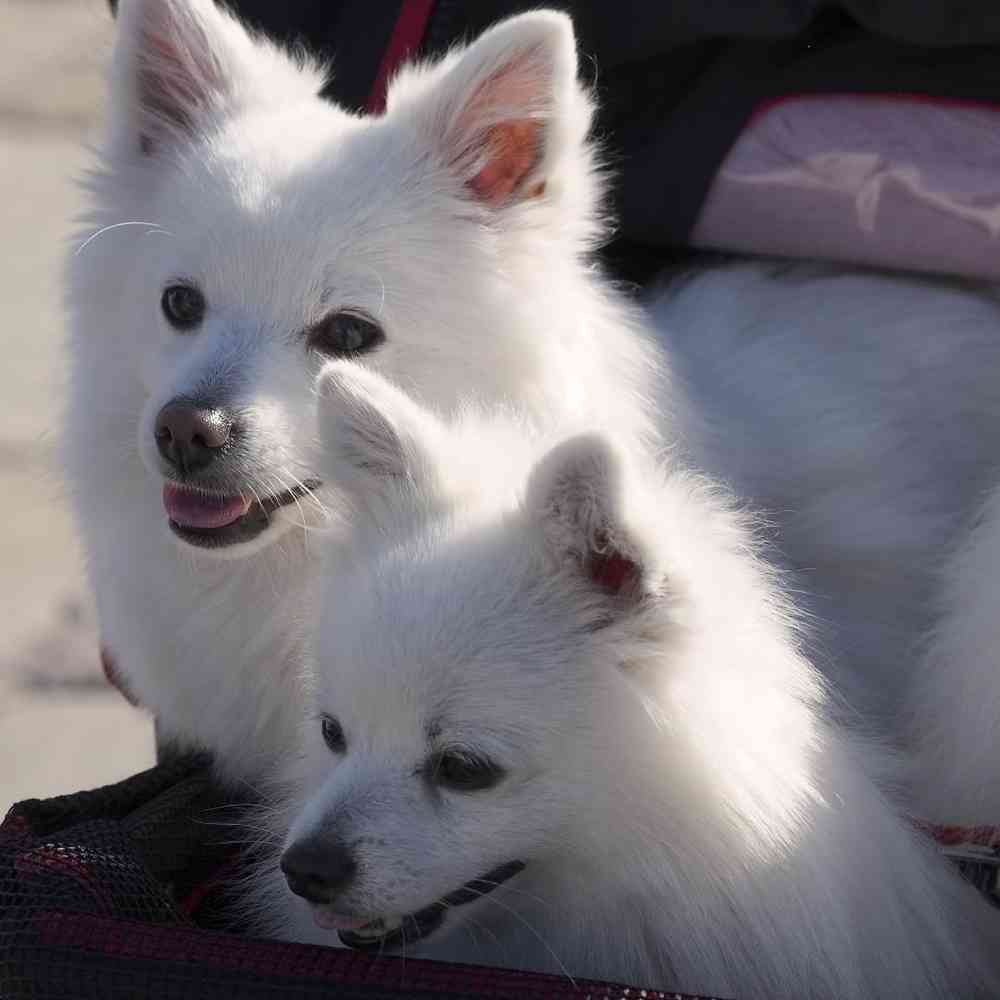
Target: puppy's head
x: 469, y: 701
x: 245, y: 231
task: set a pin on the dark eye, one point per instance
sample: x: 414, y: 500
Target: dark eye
x: 333, y: 734
x: 345, y: 335
x: 183, y: 305
x: 462, y: 771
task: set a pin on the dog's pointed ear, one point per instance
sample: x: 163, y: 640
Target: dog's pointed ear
x: 505, y: 111
x: 376, y: 440
x: 576, y: 494
x: 182, y: 65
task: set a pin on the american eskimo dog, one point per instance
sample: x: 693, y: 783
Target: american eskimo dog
x: 860, y: 410
x: 560, y: 721
x: 241, y: 232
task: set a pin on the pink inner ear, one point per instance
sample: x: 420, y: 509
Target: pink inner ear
x: 512, y: 150
x: 161, y: 75
x: 175, y: 79
x: 612, y: 571
x: 503, y: 123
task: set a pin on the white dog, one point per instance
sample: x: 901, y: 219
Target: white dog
x: 242, y: 232
x: 861, y: 412
x: 561, y: 722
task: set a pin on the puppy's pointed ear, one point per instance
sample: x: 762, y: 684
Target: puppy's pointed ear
x: 576, y: 495
x: 181, y: 66
x: 376, y: 440
x: 505, y: 112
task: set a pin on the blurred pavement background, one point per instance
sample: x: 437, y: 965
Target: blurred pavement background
x: 61, y: 727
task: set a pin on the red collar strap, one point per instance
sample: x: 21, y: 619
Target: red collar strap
x: 976, y: 852
x: 956, y: 836
x: 411, y: 26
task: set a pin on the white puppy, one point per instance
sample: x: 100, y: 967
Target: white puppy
x: 242, y: 231
x: 562, y: 722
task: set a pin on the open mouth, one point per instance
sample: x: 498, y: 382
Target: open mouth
x: 214, y: 520
x: 387, y: 932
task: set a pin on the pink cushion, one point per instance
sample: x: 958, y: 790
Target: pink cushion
x: 894, y: 181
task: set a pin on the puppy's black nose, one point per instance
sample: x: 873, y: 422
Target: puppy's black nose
x: 317, y: 870
x: 189, y: 437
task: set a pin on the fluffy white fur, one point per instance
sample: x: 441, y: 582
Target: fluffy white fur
x: 858, y: 409
x: 954, y: 721
x: 861, y: 411
x: 689, y: 815
x: 468, y: 243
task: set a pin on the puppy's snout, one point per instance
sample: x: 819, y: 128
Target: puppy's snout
x: 189, y: 437
x: 317, y: 871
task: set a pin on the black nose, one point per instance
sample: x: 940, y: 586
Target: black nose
x: 316, y: 870
x: 189, y: 436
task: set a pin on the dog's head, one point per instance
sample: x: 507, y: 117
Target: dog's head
x: 245, y: 231
x: 470, y: 701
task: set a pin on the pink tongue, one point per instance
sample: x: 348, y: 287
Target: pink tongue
x: 334, y: 922
x: 192, y: 509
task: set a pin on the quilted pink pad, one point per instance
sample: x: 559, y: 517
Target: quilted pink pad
x: 895, y: 181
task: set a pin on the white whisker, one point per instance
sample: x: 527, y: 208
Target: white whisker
x: 470, y: 922
x: 153, y: 228
x: 511, y: 888
x: 283, y: 487
x: 491, y: 898
x: 309, y: 493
